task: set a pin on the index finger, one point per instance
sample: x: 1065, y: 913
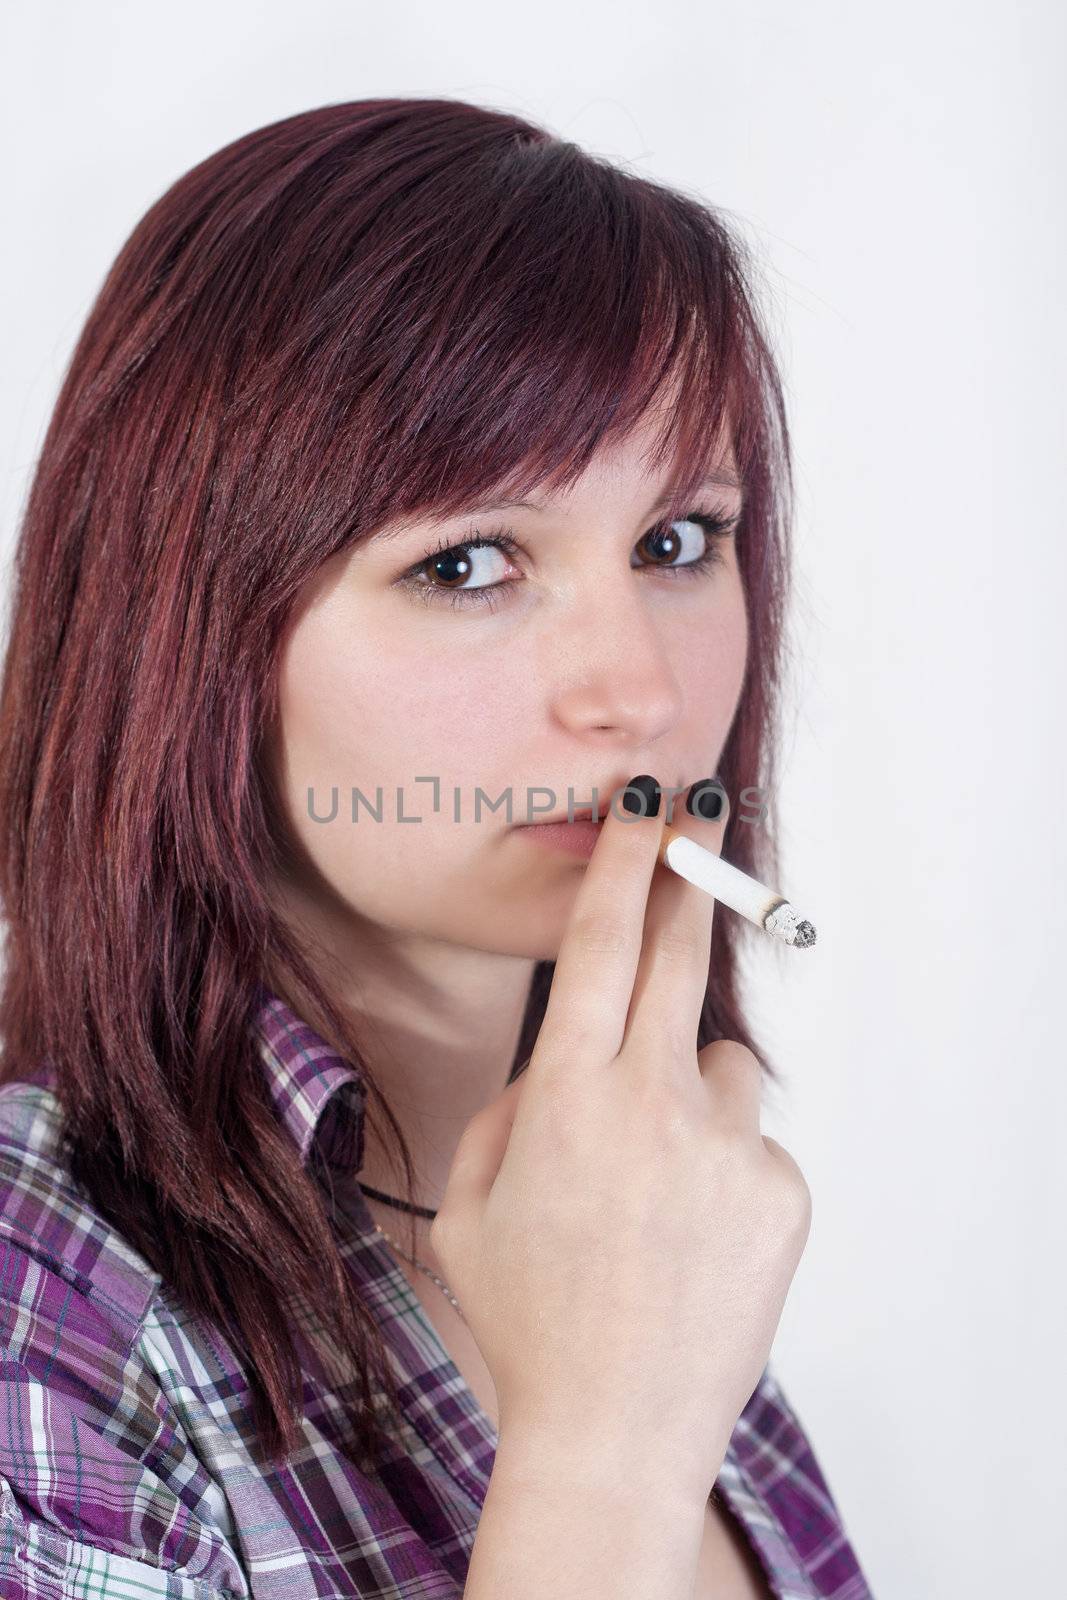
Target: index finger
x: 601, y: 946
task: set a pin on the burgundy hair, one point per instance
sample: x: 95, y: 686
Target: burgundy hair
x: 366, y: 311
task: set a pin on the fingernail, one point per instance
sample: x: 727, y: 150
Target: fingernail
x: 706, y: 799
x: 642, y: 796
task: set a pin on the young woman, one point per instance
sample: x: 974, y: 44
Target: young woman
x: 384, y: 1206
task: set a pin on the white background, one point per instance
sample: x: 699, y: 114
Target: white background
x: 901, y: 171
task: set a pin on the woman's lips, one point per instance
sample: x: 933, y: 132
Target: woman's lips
x: 577, y: 838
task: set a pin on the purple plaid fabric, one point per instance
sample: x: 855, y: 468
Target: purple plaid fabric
x: 125, y: 1465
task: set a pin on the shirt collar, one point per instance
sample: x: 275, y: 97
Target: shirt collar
x: 319, y: 1095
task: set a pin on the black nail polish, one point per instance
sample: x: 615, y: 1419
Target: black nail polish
x: 706, y: 799
x: 642, y: 796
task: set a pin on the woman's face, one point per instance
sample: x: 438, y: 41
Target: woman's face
x: 587, y: 655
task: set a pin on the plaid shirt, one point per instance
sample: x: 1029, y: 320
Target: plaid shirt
x: 125, y: 1464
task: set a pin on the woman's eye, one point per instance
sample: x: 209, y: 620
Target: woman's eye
x: 674, y: 544
x: 467, y: 566
x: 463, y: 574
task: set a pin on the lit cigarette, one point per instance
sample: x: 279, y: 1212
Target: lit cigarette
x: 770, y: 911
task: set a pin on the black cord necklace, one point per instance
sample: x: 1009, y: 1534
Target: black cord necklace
x: 401, y: 1205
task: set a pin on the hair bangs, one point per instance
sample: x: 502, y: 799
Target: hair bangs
x: 565, y: 304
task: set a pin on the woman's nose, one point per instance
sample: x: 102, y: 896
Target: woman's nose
x: 619, y: 676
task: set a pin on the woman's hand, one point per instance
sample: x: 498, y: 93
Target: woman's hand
x: 620, y: 1235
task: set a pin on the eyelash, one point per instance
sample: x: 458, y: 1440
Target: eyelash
x: 717, y: 528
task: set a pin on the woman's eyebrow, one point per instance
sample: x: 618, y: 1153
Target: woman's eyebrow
x: 721, y: 478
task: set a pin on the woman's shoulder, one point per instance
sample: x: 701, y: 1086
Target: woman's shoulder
x: 781, y: 1469
x: 101, y: 1487
x: 30, y: 1113
x: 47, y: 1218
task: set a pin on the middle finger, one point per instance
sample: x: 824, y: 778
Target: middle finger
x: 671, y: 982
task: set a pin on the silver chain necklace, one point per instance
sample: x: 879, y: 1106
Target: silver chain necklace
x: 415, y: 1262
